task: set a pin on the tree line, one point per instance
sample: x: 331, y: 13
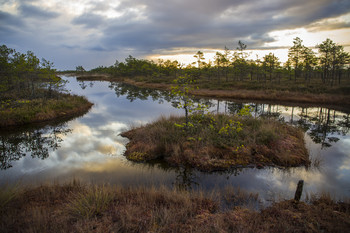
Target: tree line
x: 330, y: 65
x: 24, y: 75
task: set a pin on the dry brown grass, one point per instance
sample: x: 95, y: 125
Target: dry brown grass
x: 140, y: 209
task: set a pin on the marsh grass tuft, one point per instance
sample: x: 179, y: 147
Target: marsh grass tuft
x: 91, y: 202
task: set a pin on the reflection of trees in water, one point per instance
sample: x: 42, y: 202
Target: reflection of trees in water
x: 188, y: 178
x: 36, y: 143
x: 133, y: 93
x: 321, y: 124
x: 325, y: 124
x: 267, y: 110
x: 83, y: 84
x: 257, y: 110
x: 185, y: 178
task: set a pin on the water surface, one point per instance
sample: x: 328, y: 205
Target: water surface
x: 91, y: 149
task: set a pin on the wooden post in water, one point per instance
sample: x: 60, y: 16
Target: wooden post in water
x: 299, y: 190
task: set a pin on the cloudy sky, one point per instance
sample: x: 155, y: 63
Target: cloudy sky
x: 98, y: 32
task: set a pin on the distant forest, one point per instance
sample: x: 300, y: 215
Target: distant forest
x: 330, y: 65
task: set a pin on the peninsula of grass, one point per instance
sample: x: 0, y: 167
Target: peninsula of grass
x: 218, y: 142
x: 86, y: 208
x: 15, y: 111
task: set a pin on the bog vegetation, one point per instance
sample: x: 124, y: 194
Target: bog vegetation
x: 30, y: 91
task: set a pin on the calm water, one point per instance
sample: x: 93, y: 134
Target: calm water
x: 90, y: 148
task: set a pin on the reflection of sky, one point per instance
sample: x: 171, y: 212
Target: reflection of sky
x: 93, y: 152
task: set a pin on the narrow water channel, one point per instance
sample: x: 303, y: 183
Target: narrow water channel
x: 91, y: 149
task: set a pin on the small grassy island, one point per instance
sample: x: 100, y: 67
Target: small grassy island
x: 208, y: 146
x: 20, y: 111
x: 31, y: 92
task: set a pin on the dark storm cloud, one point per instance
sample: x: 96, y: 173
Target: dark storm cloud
x: 211, y: 23
x: 31, y: 11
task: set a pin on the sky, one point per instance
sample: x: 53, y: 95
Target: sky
x: 91, y: 33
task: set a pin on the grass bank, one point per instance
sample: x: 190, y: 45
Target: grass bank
x: 79, y: 208
x: 218, y: 142
x: 20, y: 111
